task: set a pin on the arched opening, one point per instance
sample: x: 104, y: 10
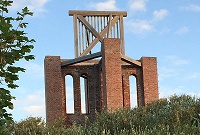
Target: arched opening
x: 133, y: 91
x: 69, y: 94
x: 84, y: 94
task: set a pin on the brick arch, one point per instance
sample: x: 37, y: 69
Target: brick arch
x: 112, y: 81
x: 127, y: 71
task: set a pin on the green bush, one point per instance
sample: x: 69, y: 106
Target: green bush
x: 175, y: 115
x: 29, y: 126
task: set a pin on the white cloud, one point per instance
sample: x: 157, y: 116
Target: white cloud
x: 165, y: 72
x: 29, y: 105
x: 133, y: 100
x: 137, y: 5
x: 139, y: 26
x: 192, y: 7
x: 182, y: 30
x: 173, y: 67
x: 160, y: 14
x: 174, y: 60
x: 164, y: 30
x: 34, y: 70
x: 34, y: 98
x: 194, y: 75
x: 105, y: 6
x: 165, y: 92
x: 69, y: 98
x: 35, y: 110
x: 36, y: 6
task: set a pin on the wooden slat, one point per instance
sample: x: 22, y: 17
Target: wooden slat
x: 109, y: 26
x: 97, y: 13
x: 122, y: 35
x: 99, y: 24
x: 130, y: 60
x: 81, y: 59
x: 75, y: 37
x: 94, y: 32
x: 118, y: 29
x: 95, y: 21
x: 79, y: 35
x: 83, y: 37
x: 102, y: 34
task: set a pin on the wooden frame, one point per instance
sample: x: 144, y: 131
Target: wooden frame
x: 90, y: 27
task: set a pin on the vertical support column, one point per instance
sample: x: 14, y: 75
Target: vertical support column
x: 112, y: 74
x: 140, y: 89
x: 150, y: 79
x: 91, y: 95
x: 76, y: 52
x: 126, y: 91
x: 122, y: 34
x: 102, y: 91
x: 98, y: 93
x: 54, y: 89
x: 77, y: 94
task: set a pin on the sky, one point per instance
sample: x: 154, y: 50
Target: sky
x: 168, y: 30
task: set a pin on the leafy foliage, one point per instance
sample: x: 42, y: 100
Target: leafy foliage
x: 29, y: 126
x: 14, y: 46
x: 175, y: 115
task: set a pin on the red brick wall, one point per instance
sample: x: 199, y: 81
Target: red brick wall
x: 54, y: 89
x: 92, y: 73
x: 111, y: 71
x: 108, y: 83
x: 127, y: 71
x: 150, y: 79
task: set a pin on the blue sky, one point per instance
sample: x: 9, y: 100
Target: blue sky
x: 168, y: 30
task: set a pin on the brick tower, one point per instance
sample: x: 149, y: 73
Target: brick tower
x: 106, y: 72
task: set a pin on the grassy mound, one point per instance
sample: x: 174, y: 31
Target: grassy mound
x: 174, y: 115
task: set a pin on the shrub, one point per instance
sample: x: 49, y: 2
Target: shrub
x: 175, y: 115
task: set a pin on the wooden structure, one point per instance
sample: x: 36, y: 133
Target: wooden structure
x: 90, y: 27
x: 106, y: 79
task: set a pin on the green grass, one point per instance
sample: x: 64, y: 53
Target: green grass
x: 179, y: 115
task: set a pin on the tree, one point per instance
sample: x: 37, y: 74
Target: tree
x: 14, y: 46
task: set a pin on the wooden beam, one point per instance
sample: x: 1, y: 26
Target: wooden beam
x: 109, y: 27
x: 75, y: 37
x: 81, y: 59
x: 96, y: 13
x: 102, y: 34
x: 130, y: 60
x: 122, y: 35
x: 94, y: 32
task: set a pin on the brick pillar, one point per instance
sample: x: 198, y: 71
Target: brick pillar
x: 126, y: 91
x: 91, y: 94
x: 77, y: 94
x: 140, y: 89
x: 55, y: 95
x: 112, y: 74
x: 98, y: 94
x: 150, y: 79
x: 102, y: 91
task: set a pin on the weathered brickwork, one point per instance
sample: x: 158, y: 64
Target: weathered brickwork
x: 112, y: 76
x: 54, y: 90
x: 107, y: 83
x: 150, y: 79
